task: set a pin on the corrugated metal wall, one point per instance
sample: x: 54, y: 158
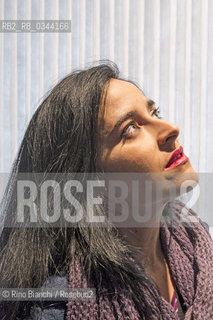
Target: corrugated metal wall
x: 164, y: 45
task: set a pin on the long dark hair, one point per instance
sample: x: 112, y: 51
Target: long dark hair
x: 62, y: 137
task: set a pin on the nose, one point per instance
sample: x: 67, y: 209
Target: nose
x: 167, y: 134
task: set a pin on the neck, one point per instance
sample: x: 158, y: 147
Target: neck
x: 146, y: 238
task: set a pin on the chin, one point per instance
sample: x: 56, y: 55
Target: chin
x: 188, y: 180
x: 177, y: 181
x: 187, y: 172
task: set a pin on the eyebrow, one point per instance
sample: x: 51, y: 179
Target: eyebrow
x: 129, y: 115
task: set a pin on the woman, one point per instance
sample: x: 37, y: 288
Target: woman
x: 94, y: 122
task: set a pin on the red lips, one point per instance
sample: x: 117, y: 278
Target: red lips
x: 177, y: 158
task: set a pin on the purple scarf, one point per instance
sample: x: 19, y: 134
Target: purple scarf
x: 188, y: 249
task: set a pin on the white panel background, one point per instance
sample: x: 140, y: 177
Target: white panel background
x: 164, y: 45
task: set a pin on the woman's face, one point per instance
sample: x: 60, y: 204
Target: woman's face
x: 133, y: 137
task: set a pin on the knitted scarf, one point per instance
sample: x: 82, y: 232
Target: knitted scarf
x: 188, y: 250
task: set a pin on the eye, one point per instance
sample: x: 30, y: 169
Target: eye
x: 156, y: 113
x: 130, y: 130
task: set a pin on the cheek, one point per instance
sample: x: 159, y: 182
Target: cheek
x: 137, y: 155
x: 123, y: 160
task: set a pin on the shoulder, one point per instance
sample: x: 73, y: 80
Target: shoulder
x: 53, y: 312
x: 49, y: 310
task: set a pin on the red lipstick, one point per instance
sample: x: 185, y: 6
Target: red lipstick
x: 177, y: 158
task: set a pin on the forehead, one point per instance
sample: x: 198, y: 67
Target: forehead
x: 120, y: 91
x: 120, y: 97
